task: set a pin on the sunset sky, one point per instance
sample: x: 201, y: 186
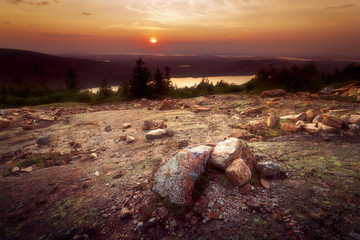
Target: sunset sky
x: 301, y: 28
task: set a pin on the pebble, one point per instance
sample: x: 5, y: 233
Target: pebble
x: 97, y: 173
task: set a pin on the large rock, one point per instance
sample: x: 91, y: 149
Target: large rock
x: 273, y: 93
x: 238, y: 172
x: 155, y: 134
x: 176, y: 179
x: 4, y: 122
x: 225, y: 152
x: 331, y: 120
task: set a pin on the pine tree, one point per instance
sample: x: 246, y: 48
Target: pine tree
x: 139, y: 84
x: 105, y: 91
x: 71, y: 81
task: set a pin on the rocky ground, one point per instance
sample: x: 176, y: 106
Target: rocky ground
x: 87, y: 172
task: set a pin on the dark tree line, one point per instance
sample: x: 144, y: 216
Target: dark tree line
x: 143, y: 84
x: 301, y: 78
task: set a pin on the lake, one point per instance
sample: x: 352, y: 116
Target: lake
x: 191, y: 81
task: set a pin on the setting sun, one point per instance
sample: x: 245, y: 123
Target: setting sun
x: 153, y: 40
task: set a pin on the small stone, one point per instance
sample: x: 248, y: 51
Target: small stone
x: 183, y: 143
x: 273, y: 93
x: 327, y: 129
x: 256, y: 125
x: 245, y: 189
x: 15, y: 169
x: 126, y: 125
x: 119, y: 175
x: 287, y: 127
x: 317, y: 119
x: 170, y: 133
x: 311, y: 128
x: 273, y: 121
x: 312, y: 113
x: 354, y: 128
x: 201, y: 109
x: 254, y: 111
x: 28, y: 127
x: 317, y: 214
x: 97, y: 173
x: 44, y: 140
x: 300, y: 124
x: 125, y: 213
x: 93, y: 155
x: 237, y: 133
x: 213, y: 215
x: 130, y: 139
x: 108, y: 128
x: 28, y: 169
x: 301, y: 116
x: 140, y: 224
x: 152, y: 220
x: 265, y: 184
x: 354, y: 119
x: 253, y: 205
x: 269, y: 169
x: 46, y: 118
x: 163, y: 212
x: 155, y: 134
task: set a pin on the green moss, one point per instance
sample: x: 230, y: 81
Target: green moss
x: 43, y: 160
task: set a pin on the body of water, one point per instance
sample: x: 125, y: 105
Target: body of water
x: 191, y: 81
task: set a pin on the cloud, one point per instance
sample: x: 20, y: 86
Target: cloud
x: 33, y: 2
x: 134, y: 26
x: 174, y: 10
x: 343, y: 6
x: 86, y: 13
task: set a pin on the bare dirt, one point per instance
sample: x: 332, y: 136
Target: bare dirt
x: 102, y: 188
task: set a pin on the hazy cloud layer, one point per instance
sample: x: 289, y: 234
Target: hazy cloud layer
x: 32, y: 2
x: 343, y: 6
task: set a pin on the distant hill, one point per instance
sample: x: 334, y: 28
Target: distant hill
x: 92, y: 69
x: 21, y: 64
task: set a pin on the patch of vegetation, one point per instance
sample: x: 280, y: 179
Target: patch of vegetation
x: 70, y: 216
x: 271, y: 133
x: 255, y: 177
x: 43, y: 160
x: 300, y: 78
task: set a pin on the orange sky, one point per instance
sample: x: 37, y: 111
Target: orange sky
x: 258, y: 27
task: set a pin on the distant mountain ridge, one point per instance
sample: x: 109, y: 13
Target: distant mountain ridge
x: 31, y: 66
